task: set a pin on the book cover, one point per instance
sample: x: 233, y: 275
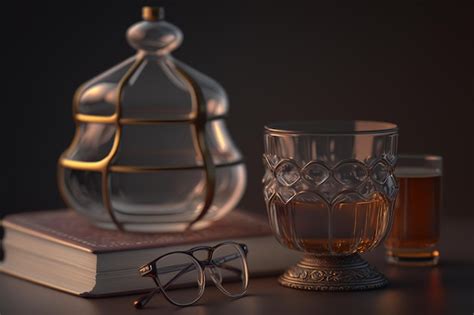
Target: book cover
x: 69, y: 228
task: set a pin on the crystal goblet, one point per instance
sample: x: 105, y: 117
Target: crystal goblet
x: 329, y: 189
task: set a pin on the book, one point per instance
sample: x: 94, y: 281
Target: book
x: 62, y: 250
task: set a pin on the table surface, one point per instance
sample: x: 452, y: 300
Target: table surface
x: 445, y: 289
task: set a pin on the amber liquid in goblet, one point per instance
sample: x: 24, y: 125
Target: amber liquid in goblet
x: 350, y: 227
x: 415, y: 229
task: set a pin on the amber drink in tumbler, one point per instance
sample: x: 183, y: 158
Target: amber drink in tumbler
x: 415, y: 231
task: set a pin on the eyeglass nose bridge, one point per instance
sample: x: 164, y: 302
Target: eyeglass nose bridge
x: 206, y: 262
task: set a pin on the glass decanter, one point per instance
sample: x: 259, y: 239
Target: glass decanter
x: 151, y: 151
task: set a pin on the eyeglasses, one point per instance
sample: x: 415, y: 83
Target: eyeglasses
x: 225, y: 263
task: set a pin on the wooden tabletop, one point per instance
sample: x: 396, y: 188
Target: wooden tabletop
x: 446, y: 289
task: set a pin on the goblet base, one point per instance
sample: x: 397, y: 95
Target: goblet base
x: 333, y: 273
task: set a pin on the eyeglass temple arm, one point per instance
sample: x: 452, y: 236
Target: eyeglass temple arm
x: 230, y: 268
x: 143, y: 300
x: 220, y: 262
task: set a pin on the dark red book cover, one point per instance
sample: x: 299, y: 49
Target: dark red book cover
x: 69, y: 228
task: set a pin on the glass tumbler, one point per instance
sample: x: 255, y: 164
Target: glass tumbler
x: 329, y: 189
x: 415, y: 231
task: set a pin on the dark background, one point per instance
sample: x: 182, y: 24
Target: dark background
x: 411, y: 64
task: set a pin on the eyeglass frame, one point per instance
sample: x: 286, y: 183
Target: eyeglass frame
x: 149, y: 270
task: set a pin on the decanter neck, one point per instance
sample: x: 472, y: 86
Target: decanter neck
x: 154, y: 35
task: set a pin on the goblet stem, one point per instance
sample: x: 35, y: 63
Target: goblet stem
x: 333, y: 273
